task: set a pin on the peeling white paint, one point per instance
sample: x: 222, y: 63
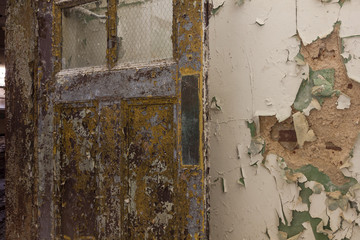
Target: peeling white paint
x: 260, y: 21
x: 349, y: 14
x: 345, y: 231
x: 351, y: 56
x: 352, y: 167
x: 255, y: 70
x: 263, y: 58
x: 307, y: 234
x: 343, y: 102
x: 335, y: 218
x: 315, y: 19
x: 350, y: 215
x: 320, y: 229
x: 356, y: 232
x: 238, y: 149
x: 289, y: 192
x: 318, y: 207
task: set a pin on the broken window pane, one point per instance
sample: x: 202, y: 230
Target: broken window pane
x: 144, y: 30
x: 84, y: 35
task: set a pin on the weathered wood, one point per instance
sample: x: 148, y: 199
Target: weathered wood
x: 21, y: 206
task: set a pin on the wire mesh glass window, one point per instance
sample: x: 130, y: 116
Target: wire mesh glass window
x: 144, y: 30
x: 84, y: 35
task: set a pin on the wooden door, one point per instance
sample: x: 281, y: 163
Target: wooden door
x: 120, y: 119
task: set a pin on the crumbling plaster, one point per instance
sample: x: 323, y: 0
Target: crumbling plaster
x: 261, y: 53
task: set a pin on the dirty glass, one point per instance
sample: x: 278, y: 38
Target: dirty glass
x: 144, y: 30
x: 84, y: 35
x: 190, y: 112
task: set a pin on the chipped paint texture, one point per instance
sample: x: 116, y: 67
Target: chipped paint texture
x: 21, y: 210
x: 284, y: 127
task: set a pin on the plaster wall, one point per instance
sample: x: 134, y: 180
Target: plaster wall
x: 284, y: 66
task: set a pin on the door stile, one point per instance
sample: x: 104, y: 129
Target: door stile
x: 190, y: 59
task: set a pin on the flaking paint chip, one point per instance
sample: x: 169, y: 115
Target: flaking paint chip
x: 307, y: 233
x: 260, y: 21
x: 241, y: 180
x: 314, y: 104
x: 214, y: 104
x: 223, y: 184
x: 215, y: 10
x: 318, y: 207
x: 238, y: 148
x: 257, y: 146
x: 295, y: 176
x: 303, y: 133
x: 299, y: 59
x: 343, y: 102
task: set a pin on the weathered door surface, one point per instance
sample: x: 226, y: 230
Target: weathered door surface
x: 120, y: 140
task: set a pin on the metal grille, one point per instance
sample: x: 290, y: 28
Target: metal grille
x: 144, y: 30
x: 84, y: 35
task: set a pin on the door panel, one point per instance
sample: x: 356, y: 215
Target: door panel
x: 77, y: 168
x: 117, y: 165
x: 151, y: 167
x: 111, y: 184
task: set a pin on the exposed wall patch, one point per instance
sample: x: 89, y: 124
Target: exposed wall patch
x: 327, y: 85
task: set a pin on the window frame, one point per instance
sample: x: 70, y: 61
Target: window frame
x: 112, y: 43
